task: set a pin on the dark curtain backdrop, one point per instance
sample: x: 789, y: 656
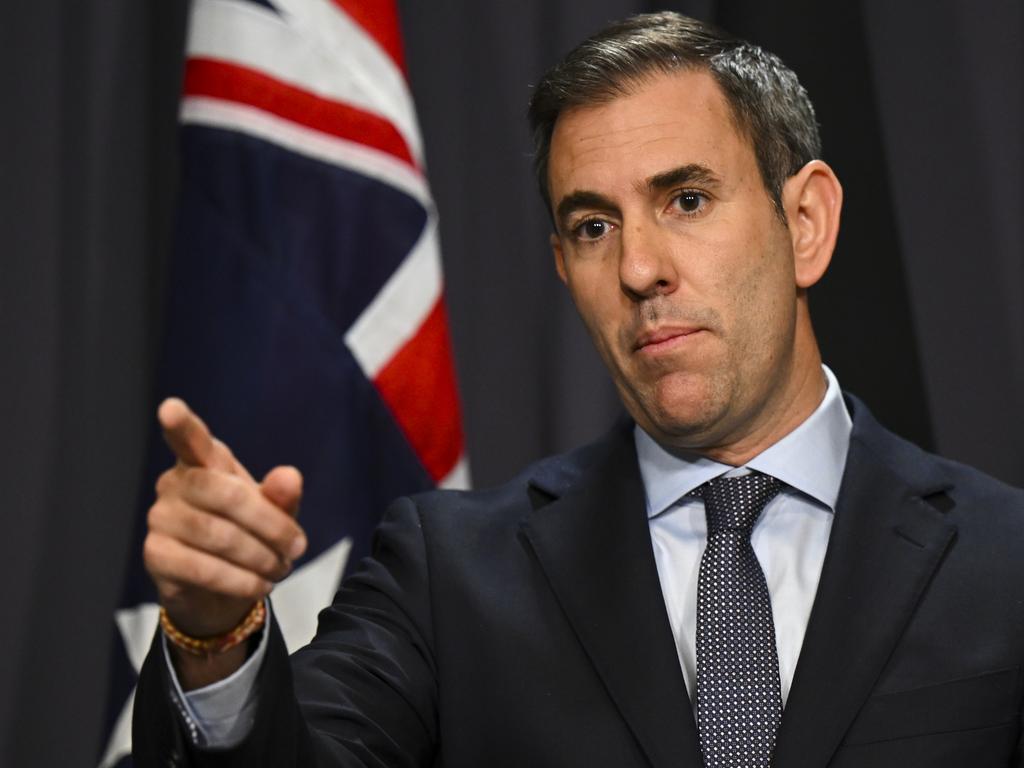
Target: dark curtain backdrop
x: 922, y: 314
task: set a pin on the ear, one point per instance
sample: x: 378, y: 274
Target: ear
x: 556, y: 249
x: 812, y: 199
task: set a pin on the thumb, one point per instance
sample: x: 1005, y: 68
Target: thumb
x: 283, y: 486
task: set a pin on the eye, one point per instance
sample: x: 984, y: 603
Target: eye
x: 690, y: 202
x: 591, y: 229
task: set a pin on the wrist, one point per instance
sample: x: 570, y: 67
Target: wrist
x: 196, y: 672
x: 202, y: 661
x: 214, y: 645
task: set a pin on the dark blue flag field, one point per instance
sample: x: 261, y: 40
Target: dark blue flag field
x: 305, y: 318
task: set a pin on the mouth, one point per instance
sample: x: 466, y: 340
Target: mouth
x: 666, y: 339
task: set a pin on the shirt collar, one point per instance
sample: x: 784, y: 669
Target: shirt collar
x: 810, y: 459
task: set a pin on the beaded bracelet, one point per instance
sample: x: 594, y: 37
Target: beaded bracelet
x: 211, y: 646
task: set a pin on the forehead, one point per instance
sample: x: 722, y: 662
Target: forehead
x: 666, y: 120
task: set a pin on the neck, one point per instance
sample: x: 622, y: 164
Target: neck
x: 795, y: 398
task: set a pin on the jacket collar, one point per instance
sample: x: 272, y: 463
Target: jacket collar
x: 589, y: 533
x: 888, y: 539
x: 588, y: 529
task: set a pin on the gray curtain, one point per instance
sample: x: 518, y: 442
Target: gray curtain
x: 922, y: 314
x: 952, y: 100
x: 86, y: 192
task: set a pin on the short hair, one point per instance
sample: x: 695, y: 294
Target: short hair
x: 769, y: 106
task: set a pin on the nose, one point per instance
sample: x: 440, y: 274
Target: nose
x: 646, y: 267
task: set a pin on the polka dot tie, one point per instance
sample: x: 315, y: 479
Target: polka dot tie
x: 739, y: 702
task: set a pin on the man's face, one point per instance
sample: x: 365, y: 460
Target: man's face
x: 676, y: 260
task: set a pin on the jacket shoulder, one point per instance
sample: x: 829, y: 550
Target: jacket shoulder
x: 932, y: 474
x: 539, y: 482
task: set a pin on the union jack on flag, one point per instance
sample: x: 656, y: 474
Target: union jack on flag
x: 305, y: 319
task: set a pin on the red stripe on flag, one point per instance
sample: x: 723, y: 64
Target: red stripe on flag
x: 418, y: 385
x: 379, y: 18
x: 231, y: 82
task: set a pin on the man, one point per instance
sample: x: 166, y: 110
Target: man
x: 752, y: 570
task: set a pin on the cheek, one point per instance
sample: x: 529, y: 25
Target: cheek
x: 596, y: 308
x: 763, y: 307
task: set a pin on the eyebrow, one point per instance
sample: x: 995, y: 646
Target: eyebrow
x: 693, y: 173
x: 684, y: 174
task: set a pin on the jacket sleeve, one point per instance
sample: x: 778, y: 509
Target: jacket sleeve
x: 362, y: 693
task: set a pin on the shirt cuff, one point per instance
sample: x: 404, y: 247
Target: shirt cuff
x: 220, y: 716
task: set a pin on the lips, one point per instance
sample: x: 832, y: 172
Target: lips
x: 664, y: 338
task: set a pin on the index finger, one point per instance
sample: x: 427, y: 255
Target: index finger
x: 189, y: 438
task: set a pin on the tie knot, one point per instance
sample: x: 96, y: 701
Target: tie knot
x: 736, y: 502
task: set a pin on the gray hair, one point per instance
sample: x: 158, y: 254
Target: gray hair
x: 768, y: 104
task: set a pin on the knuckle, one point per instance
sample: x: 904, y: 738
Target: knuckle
x: 233, y: 494
x: 149, y: 549
x: 199, y: 573
x: 169, y: 481
x: 222, y: 447
x: 260, y: 562
x: 153, y: 553
x: 154, y: 516
x: 195, y: 478
x: 207, y: 534
x: 280, y: 529
x: 217, y: 489
x: 220, y: 537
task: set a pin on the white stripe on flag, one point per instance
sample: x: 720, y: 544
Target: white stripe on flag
x: 137, y: 626
x: 350, y: 155
x: 299, y: 598
x: 351, y: 43
x: 322, y: 52
x: 458, y: 479
x: 400, y: 307
x: 120, y: 742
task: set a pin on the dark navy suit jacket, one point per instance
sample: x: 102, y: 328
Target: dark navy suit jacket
x: 525, y: 626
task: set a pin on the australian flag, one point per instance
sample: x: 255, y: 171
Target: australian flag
x: 305, y: 319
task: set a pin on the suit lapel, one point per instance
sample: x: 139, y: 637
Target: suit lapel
x: 594, y: 546
x: 885, y: 545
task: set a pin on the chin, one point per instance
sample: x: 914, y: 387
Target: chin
x: 682, y: 407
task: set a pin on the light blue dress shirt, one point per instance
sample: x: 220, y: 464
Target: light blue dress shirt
x: 789, y: 540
